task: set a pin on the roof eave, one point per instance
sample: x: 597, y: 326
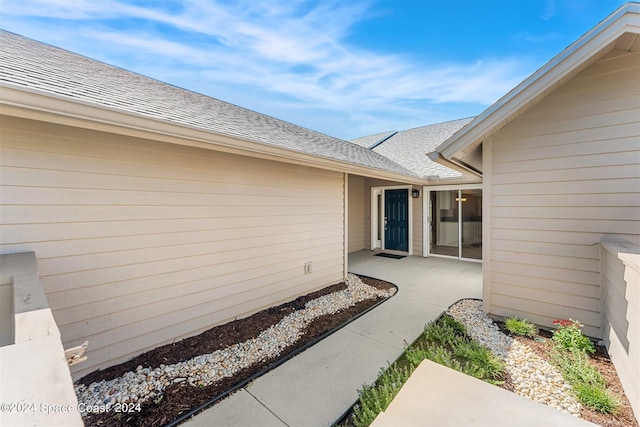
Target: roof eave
x: 30, y: 104
x: 468, y: 173
x: 534, y: 88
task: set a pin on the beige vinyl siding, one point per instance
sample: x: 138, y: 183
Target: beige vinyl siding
x: 358, y: 214
x: 621, y: 313
x: 140, y: 243
x: 565, y: 176
x: 418, y: 219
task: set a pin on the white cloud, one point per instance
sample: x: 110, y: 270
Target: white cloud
x: 549, y: 11
x: 290, y: 48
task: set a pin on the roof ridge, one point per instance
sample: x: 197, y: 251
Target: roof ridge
x: 440, y: 123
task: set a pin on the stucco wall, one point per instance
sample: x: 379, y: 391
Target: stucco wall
x: 561, y: 178
x: 140, y: 243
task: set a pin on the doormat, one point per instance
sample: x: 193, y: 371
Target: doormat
x: 382, y: 254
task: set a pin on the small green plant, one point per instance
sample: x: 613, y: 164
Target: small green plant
x: 569, y: 336
x: 435, y: 353
x: 450, y: 346
x: 597, y: 398
x: 450, y: 323
x: 480, y: 362
x: 377, y: 397
x: 571, y: 354
x: 576, y: 368
x: 589, y: 386
x: 521, y: 327
x: 444, y: 332
x: 444, y: 342
x: 415, y: 355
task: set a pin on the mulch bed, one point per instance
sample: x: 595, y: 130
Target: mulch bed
x: 624, y: 417
x: 180, y: 398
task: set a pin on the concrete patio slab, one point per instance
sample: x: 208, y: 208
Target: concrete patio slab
x: 437, y: 395
x: 383, y: 325
x: 315, y: 387
x: 227, y: 413
x: 438, y: 281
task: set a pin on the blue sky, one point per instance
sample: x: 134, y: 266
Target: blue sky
x: 347, y: 68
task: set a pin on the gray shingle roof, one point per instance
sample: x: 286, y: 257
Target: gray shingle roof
x: 30, y: 64
x: 370, y: 141
x: 410, y: 147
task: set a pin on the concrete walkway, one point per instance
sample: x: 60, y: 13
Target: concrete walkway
x: 317, y: 386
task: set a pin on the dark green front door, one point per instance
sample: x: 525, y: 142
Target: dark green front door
x: 396, y: 220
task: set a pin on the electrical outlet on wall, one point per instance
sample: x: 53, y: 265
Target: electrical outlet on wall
x: 307, y: 267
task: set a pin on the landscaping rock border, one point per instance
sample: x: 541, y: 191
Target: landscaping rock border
x: 530, y: 374
x: 144, y: 384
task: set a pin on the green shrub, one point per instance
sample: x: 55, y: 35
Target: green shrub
x: 597, y: 398
x: 521, y: 327
x: 569, y: 336
x: 377, y: 397
x: 449, y: 322
x: 444, y: 342
x: 415, y: 355
x: 450, y: 346
x: 589, y: 386
x: 442, y: 356
x: 480, y: 362
x: 446, y: 332
x: 576, y: 368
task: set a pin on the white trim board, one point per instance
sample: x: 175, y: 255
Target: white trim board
x: 426, y: 211
x: 375, y: 219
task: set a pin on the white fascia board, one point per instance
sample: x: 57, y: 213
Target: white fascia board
x: 31, y: 104
x: 520, y: 99
x: 468, y: 174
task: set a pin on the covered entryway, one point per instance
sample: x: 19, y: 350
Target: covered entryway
x: 391, y: 218
x: 371, y: 202
x: 454, y: 222
x: 396, y: 220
